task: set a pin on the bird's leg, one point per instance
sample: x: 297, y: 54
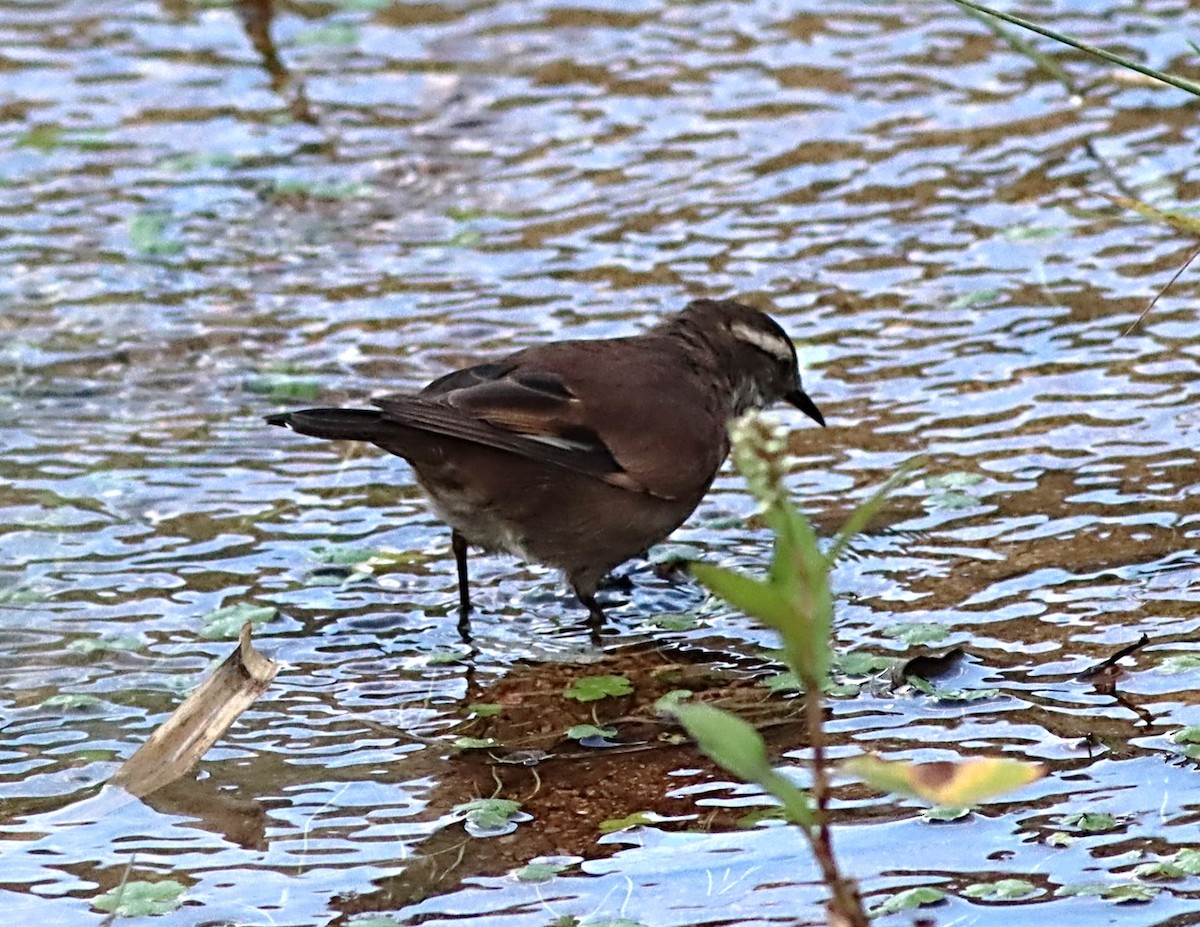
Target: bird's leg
x: 458, y: 544
x: 595, y: 612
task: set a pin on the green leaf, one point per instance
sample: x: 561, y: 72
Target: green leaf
x: 973, y: 298
x: 94, y: 644
x: 783, y: 682
x: 1179, y: 663
x: 682, y: 621
x: 726, y: 739
x: 488, y: 813
x: 484, y: 709
x: 148, y: 234
x: 139, y: 898
x: 594, y: 688
x: 856, y: 663
x: 955, y: 479
x: 44, y: 138
x: 665, y: 704
x: 584, y: 731
x: 1188, y: 860
x: 754, y: 597
x: 538, y: 872
x: 917, y: 632
x: 71, y: 701
x: 443, y: 657
x: 1090, y: 821
x: 1002, y: 890
x: 1161, y: 870
x: 909, y: 900
x: 941, y: 813
x: 637, y: 819
x: 1059, y: 839
x: 1131, y: 893
x: 474, y: 743
x: 329, y: 34
x: 226, y: 623
x: 951, y: 695
x: 284, y: 386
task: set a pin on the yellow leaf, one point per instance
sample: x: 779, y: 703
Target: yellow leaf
x: 950, y: 784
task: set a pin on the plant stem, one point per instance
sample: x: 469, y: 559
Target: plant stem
x: 845, y: 905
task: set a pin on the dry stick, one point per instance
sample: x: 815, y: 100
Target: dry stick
x: 1150, y: 305
x: 1056, y: 71
x: 1094, y: 50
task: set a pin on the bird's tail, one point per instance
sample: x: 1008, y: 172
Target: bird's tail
x: 335, y: 424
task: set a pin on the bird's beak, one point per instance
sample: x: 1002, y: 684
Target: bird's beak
x: 800, y: 400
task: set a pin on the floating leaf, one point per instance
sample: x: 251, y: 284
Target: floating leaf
x: 1059, y: 839
x: 1188, y: 860
x: 1032, y: 232
x: 94, y: 644
x: 862, y: 664
x: 490, y: 816
x: 1163, y: 870
x: 1124, y: 893
x: 594, y: 688
x: 139, y: 898
x: 148, y: 234
x: 71, y: 701
x: 485, y: 709
x: 1179, y: 663
x: 584, y: 731
x: 955, y: 479
x: 296, y: 188
x: 474, y: 743
x: 538, y: 872
x: 951, y: 695
x: 1090, y: 822
x: 443, y: 657
x: 682, y: 621
x: 283, y: 386
x: 944, y: 814
x: 637, y: 819
x: 783, y: 682
x: 973, y: 298
x: 917, y: 632
x: 44, y: 138
x: 1002, y: 890
x: 226, y: 623
x: 959, y: 784
x: 329, y: 34
x: 909, y: 900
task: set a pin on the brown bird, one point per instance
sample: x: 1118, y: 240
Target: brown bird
x: 580, y: 454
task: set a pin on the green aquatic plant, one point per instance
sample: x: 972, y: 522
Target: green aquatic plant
x: 795, y: 600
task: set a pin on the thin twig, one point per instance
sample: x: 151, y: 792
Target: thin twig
x: 1150, y: 305
x: 1180, y: 83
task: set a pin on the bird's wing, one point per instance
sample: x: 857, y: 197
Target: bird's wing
x: 524, y: 412
x: 571, y: 404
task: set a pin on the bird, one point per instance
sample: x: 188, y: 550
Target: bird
x: 580, y: 454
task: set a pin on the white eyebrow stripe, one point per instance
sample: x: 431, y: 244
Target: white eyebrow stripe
x: 764, y: 341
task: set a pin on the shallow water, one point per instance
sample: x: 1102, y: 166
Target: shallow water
x: 927, y: 213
